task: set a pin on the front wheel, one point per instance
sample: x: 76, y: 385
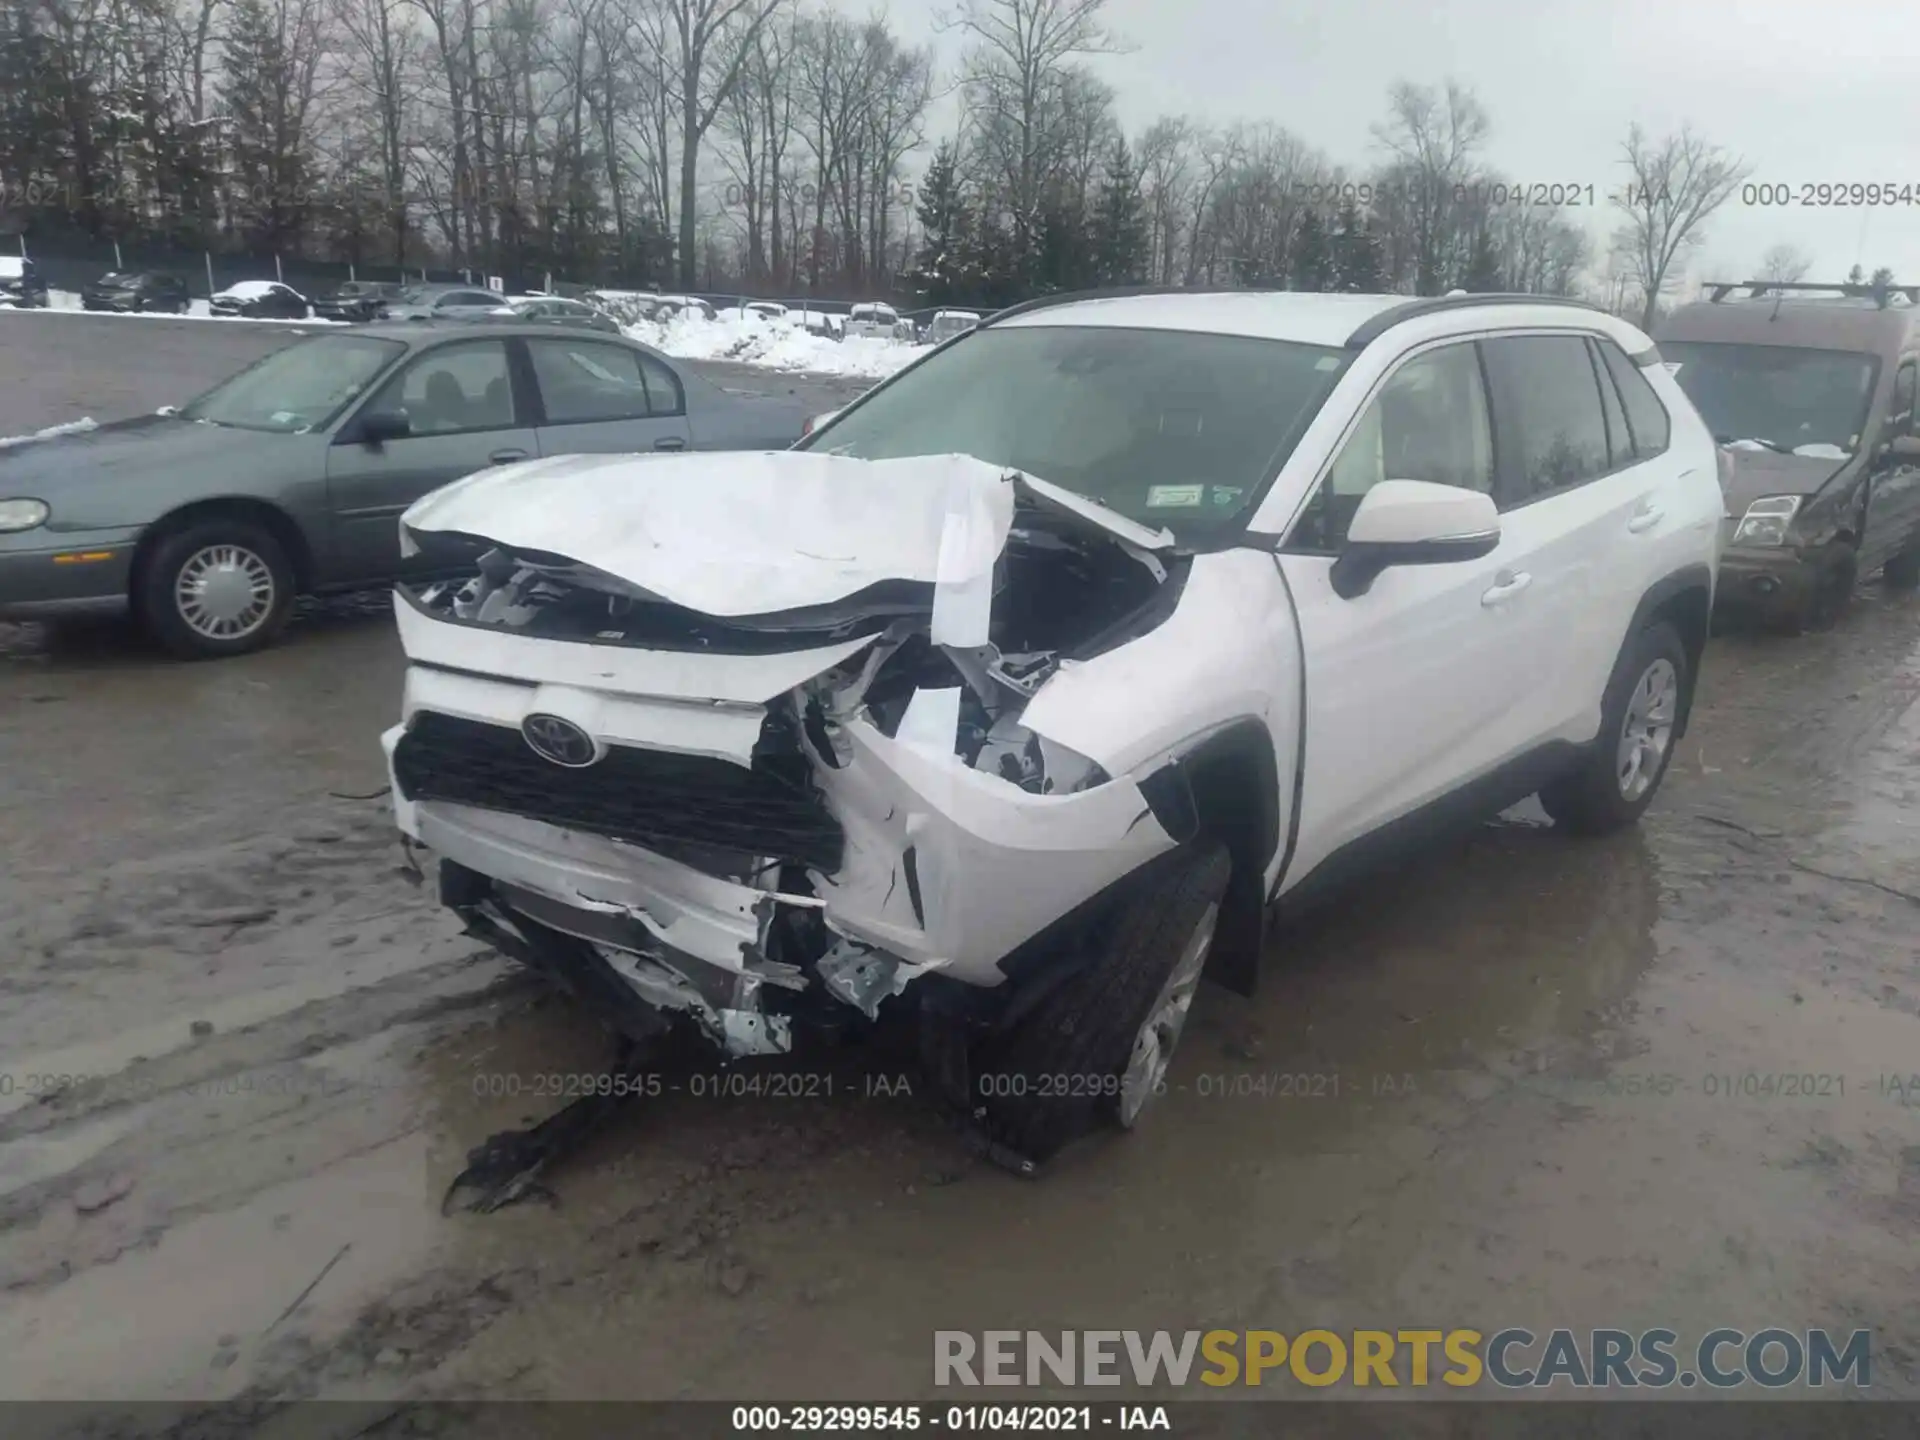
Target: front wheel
x: 1615, y: 781
x: 1098, y: 1047
x: 219, y: 587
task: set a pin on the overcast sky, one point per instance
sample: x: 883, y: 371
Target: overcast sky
x: 1806, y: 92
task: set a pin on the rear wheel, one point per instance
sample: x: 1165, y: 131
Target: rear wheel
x: 1098, y: 1048
x: 1614, y: 783
x: 216, y: 587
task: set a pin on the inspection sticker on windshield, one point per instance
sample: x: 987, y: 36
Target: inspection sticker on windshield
x: 1172, y: 497
x: 1225, y: 495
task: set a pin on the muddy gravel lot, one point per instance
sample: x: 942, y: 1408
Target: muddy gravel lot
x: 244, y: 1053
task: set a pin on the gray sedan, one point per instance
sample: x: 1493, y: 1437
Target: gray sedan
x: 289, y: 478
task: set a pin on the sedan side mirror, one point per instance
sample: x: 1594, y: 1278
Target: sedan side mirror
x: 1413, y: 522
x: 1903, y: 447
x: 378, y: 426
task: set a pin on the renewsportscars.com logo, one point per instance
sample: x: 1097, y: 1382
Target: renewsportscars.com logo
x: 1510, y: 1359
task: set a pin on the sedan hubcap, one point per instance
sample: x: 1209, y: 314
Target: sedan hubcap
x: 224, y: 592
x: 1647, y: 730
x: 1146, y: 1070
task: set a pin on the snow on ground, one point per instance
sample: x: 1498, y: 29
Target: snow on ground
x: 72, y: 427
x: 772, y: 344
x: 745, y: 339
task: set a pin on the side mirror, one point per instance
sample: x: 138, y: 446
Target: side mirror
x: 378, y: 426
x: 1413, y: 522
x: 1903, y: 447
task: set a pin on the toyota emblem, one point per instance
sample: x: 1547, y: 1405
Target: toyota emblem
x: 560, y: 741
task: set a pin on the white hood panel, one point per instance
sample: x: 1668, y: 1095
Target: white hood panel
x: 738, y: 534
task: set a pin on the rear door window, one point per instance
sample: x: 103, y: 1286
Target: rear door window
x: 1547, y: 404
x: 588, y: 380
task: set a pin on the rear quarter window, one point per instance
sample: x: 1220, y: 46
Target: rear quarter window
x: 1647, y: 418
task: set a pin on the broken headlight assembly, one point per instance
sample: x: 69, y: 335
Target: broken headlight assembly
x: 16, y: 515
x: 1767, y: 521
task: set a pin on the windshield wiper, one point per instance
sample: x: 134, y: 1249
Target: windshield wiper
x: 1774, y: 446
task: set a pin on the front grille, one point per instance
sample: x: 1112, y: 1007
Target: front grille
x: 652, y: 798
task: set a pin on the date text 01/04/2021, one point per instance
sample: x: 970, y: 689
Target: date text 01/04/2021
x: 979, y: 1418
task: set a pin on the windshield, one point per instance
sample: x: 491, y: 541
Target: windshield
x: 1167, y: 427
x: 1776, y: 397
x: 299, y: 388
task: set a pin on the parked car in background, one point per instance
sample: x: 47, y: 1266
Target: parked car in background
x: 765, y: 309
x: 1810, y: 391
x: 440, y: 302
x: 21, y: 286
x: 260, y: 300
x: 552, y: 310
x: 290, y: 476
x: 1015, y: 698
x: 948, y: 323
x: 666, y: 307
x: 355, y: 301
x: 137, y: 291
x: 877, y: 322
x: 823, y: 322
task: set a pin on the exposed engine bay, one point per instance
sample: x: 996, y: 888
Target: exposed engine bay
x: 769, y: 814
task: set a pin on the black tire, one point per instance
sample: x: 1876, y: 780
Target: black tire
x: 1592, y: 799
x: 1050, y: 1079
x: 156, y: 592
x: 1902, y: 572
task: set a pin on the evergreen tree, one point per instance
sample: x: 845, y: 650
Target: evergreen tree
x: 1856, y: 276
x: 1882, y: 278
x: 941, y: 268
x: 267, y: 179
x: 1356, y: 254
x: 1064, y: 257
x: 1312, y: 254
x: 1119, y: 241
x: 1483, y: 265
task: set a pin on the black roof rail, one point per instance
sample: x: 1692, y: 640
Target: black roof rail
x: 1760, y: 289
x: 1371, y: 330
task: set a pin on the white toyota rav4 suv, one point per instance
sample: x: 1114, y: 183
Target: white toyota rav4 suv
x: 1044, y: 677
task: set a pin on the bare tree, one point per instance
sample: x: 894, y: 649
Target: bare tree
x: 1013, y: 76
x: 705, y: 46
x: 1785, y: 263
x: 1435, y: 137
x: 1674, y: 185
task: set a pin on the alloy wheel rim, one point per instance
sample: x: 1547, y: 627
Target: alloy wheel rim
x: 224, y: 592
x: 1646, y: 732
x: 1154, y: 1044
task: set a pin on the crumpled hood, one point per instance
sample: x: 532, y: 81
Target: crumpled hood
x: 1758, y: 472
x: 738, y: 534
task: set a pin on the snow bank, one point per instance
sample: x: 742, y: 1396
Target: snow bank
x: 772, y: 344
x: 72, y: 427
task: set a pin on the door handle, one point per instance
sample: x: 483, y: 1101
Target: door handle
x: 506, y: 457
x: 1506, y: 585
x: 1645, y: 518
x: 670, y: 442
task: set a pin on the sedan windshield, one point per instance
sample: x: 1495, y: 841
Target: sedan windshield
x: 1168, y: 427
x: 1776, y: 397
x: 299, y: 388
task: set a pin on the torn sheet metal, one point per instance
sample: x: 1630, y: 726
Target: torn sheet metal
x: 863, y: 976
x: 739, y: 534
x: 738, y: 1028
x: 989, y: 863
x: 709, y: 918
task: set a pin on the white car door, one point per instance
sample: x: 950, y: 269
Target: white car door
x: 1420, y: 684
x: 1584, y: 508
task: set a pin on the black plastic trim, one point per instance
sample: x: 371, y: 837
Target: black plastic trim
x: 1372, y: 329
x: 1691, y: 577
x: 1362, y: 562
